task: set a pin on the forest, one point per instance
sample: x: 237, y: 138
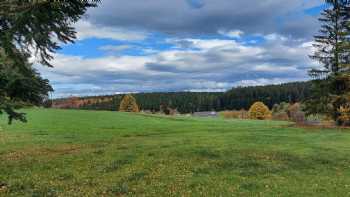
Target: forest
x: 189, y: 102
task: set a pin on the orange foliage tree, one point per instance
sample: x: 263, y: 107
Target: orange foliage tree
x: 259, y: 111
x: 345, y: 115
x: 129, y: 104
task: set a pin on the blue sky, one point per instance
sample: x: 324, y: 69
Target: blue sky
x: 186, y: 45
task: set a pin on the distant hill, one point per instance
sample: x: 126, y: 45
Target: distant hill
x: 189, y: 102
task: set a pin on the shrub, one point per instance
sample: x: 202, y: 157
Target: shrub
x: 344, y: 117
x: 231, y: 114
x: 299, y: 117
x: 295, y: 113
x: 165, y: 109
x: 293, y: 109
x: 317, y: 118
x: 242, y: 114
x: 259, y: 111
x: 128, y: 104
x: 282, y: 116
x: 280, y: 108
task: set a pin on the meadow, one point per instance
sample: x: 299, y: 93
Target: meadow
x: 89, y: 153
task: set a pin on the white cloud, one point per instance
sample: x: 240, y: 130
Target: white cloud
x: 232, y: 33
x: 115, y: 48
x: 86, y: 29
x: 74, y: 64
x: 194, y: 65
x: 265, y: 81
x: 272, y: 68
x: 275, y: 37
x: 213, y: 43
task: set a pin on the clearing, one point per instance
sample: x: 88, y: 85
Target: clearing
x: 88, y: 153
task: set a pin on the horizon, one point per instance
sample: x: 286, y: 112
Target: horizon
x: 186, y: 46
x: 169, y: 92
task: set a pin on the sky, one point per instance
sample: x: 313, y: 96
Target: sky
x: 128, y: 46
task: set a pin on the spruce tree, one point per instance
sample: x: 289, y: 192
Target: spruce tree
x: 331, y: 84
x: 27, y: 26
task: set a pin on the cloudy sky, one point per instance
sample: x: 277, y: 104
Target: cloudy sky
x: 186, y: 45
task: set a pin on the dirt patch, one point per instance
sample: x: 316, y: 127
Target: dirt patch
x: 42, y: 152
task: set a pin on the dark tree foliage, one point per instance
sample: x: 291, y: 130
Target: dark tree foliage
x: 244, y: 97
x: 189, y: 102
x: 184, y: 102
x: 27, y: 26
x: 19, y: 88
x: 331, y: 85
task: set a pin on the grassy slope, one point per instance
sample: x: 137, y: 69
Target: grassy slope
x: 87, y: 153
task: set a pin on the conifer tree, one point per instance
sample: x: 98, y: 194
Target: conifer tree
x: 129, y: 104
x: 331, y: 85
x: 27, y: 26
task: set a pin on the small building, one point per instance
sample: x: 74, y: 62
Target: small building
x: 206, y: 114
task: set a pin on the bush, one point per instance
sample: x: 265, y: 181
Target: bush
x: 293, y: 109
x: 295, y: 113
x: 317, y: 118
x: 165, y: 109
x: 128, y: 104
x: 231, y: 114
x: 344, y: 117
x: 280, y: 108
x: 242, y: 114
x: 279, y: 112
x: 259, y: 111
x: 299, y: 117
x: 282, y: 116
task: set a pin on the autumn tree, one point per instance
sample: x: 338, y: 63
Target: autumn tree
x: 129, y: 104
x: 259, y: 111
x: 345, y: 114
x: 331, y: 85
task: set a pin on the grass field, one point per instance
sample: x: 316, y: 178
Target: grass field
x: 86, y: 153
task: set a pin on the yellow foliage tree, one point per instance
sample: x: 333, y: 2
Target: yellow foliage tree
x: 129, y: 104
x: 345, y: 115
x: 259, y: 111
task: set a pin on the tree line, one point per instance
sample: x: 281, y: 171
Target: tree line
x: 189, y: 102
x: 244, y: 97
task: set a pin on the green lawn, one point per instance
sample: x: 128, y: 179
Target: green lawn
x: 86, y: 153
